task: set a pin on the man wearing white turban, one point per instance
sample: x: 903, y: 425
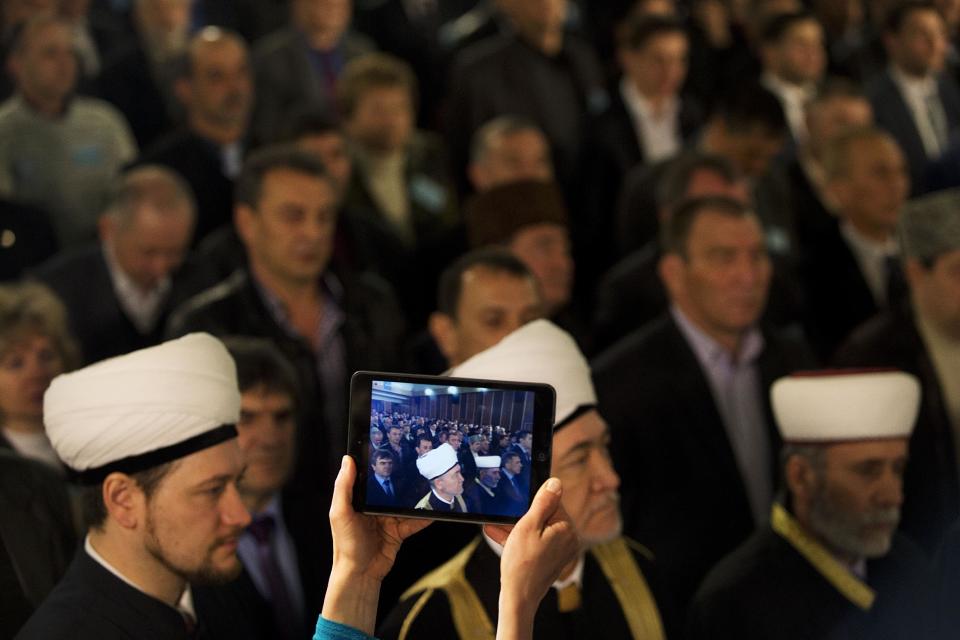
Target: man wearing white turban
x: 829, y: 563
x: 153, y: 436
x: 604, y: 593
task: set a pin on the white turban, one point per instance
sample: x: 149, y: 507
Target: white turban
x: 539, y: 351
x: 488, y: 462
x: 144, y: 408
x: 437, y: 462
x: 838, y: 407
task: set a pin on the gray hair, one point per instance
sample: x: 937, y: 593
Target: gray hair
x: 930, y: 226
x: 153, y: 185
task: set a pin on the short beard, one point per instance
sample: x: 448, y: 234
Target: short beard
x: 843, y: 531
x: 204, y: 574
x: 589, y: 541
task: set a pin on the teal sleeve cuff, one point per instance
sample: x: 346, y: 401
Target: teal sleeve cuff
x: 329, y: 630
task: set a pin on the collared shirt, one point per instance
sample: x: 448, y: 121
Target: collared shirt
x: 440, y: 498
x: 184, y: 605
x: 34, y: 445
x: 736, y: 389
x: 330, y: 355
x: 231, y: 159
x: 794, y: 98
x: 143, y: 308
x: 383, y: 484
x: 945, y: 353
x: 658, y: 133
x: 386, y: 178
x: 922, y: 95
x: 284, y: 552
x: 575, y: 577
x: 872, y: 257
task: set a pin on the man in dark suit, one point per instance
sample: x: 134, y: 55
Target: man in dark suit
x: 216, y: 90
x: 513, y: 73
x: 325, y: 324
x: 300, y: 65
x: 852, y: 272
x: 138, y: 79
x: 285, y: 551
x: 914, y: 99
x: 145, y: 233
x: 36, y: 537
x: 647, y: 121
x: 382, y: 487
x: 686, y: 395
x: 921, y: 338
x: 510, y: 498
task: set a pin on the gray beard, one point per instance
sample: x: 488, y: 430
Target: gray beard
x: 843, y: 531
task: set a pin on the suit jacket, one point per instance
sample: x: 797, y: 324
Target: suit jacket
x: 503, y: 75
x: 613, y: 149
x: 798, y: 602
x: 287, y: 80
x: 376, y: 496
x: 36, y: 537
x: 508, y: 499
x: 891, y: 112
x: 837, y: 296
x: 930, y: 485
x: 238, y: 610
x: 198, y: 162
x: 127, y: 81
x: 948, y: 583
x: 90, y: 603
x: 371, y: 334
x: 682, y: 492
x: 102, y: 328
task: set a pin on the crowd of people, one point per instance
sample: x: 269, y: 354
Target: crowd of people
x: 436, y: 464
x: 661, y: 207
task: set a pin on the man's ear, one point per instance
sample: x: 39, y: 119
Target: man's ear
x: 444, y: 333
x: 124, y: 500
x: 801, y: 479
x: 243, y: 220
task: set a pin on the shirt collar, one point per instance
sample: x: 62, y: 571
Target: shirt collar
x: 640, y: 107
x: 788, y: 90
x: 125, y: 283
x: 923, y: 87
x: 709, y: 351
x: 867, y: 247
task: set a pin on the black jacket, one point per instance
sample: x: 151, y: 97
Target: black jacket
x: 682, y: 492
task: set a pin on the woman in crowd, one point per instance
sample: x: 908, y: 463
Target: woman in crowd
x: 35, y: 347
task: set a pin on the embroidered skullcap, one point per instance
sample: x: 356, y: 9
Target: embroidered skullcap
x: 143, y: 409
x: 838, y: 406
x: 539, y: 351
x: 437, y: 462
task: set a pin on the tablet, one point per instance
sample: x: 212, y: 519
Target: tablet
x: 444, y: 448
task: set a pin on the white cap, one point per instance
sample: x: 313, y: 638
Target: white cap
x: 539, y: 351
x: 437, y: 462
x: 488, y: 462
x: 836, y: 406
x: 145, y: 408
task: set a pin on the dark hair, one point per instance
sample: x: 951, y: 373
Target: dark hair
x: 523, y: 433
x: 675, y: 230
x: 506, y: 457
x: 93, y: 511
x: 423, y: 436
x: 309, y: 121
x: 373, y: 71
x: 393, y: 426
x: 899, y: 15
x: 749, y: 105
x: 182, y: 65
x: 273, y: 158
x: 680, y: 171
x: 260, y: 364
x: 637, y: 32
x: 838, y: 87
x: 777, y: 27
x: 381, y: 454
x: 497, y: 259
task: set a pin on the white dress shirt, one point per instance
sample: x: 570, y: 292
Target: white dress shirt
x: 658, y: 133
x: 143, y: 308
x: 794, y: 98
x: 922, y: 96
x: 872, y: 257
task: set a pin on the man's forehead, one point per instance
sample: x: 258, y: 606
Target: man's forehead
x: 224, y: 460
x: 586, y: 430
x: 861, y: 450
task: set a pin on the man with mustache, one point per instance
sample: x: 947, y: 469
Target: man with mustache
x: 829, y: 564
x: 152, y: 436
x: 605, y: 592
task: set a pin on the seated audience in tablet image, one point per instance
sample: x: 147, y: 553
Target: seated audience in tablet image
x: 433, y: 446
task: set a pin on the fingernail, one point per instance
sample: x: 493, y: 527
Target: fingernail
x: 343, y: 463
x: 552, y: 485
